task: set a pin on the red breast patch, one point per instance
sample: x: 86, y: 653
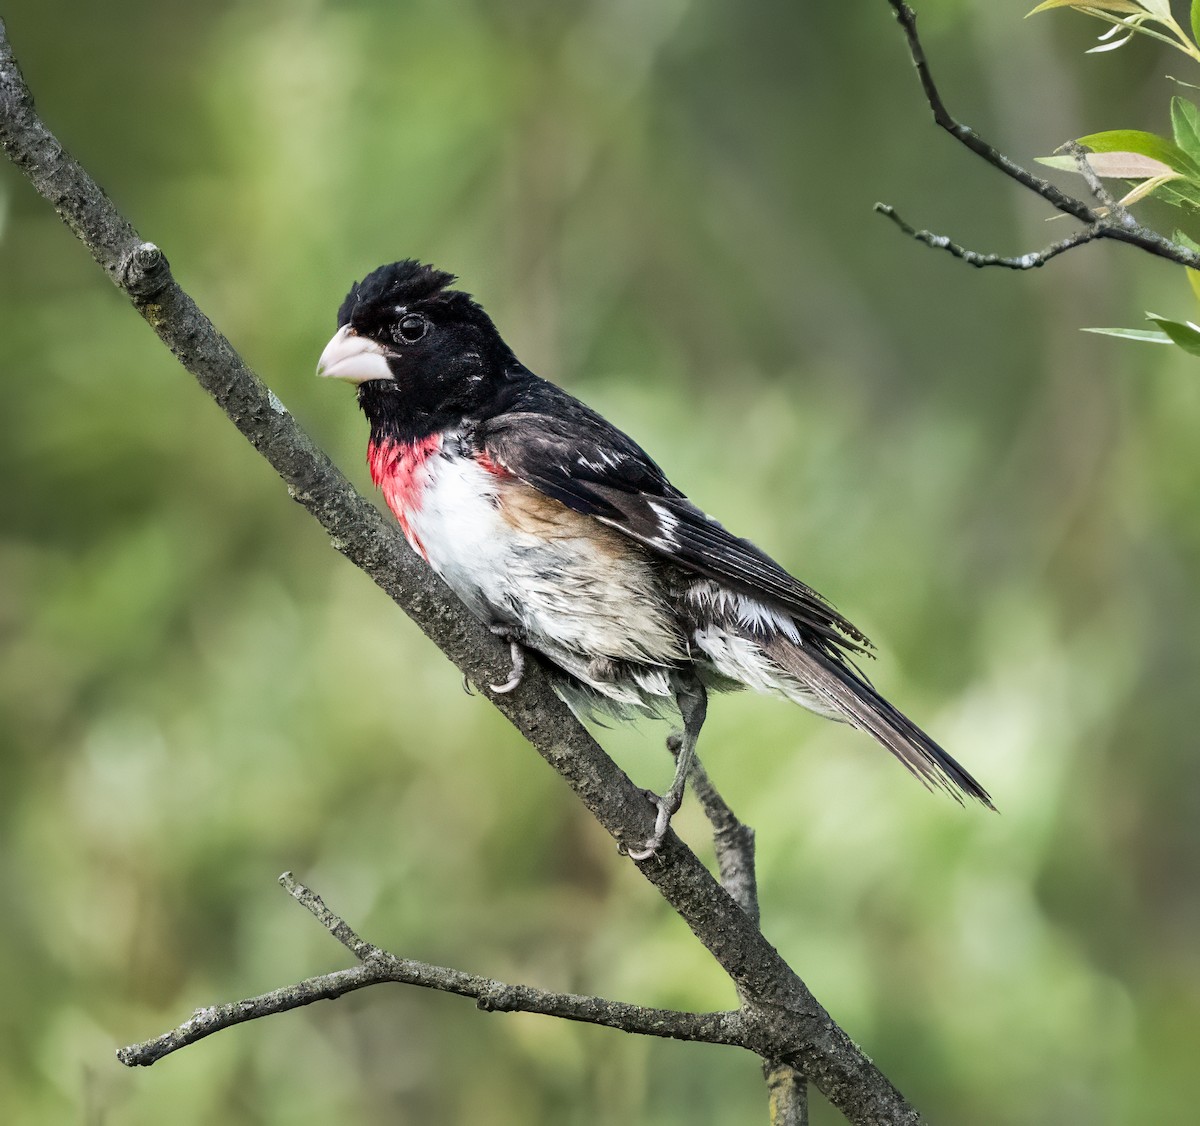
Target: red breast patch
x: 402, y: 473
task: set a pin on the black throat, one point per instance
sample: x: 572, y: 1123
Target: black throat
x: 398, y: 416
x: 395, y: 417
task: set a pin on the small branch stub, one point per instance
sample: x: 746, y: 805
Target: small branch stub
x: 145, y: 272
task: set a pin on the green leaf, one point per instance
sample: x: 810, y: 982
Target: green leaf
x: 1126, y: 7
x: 1187, y: 336
x: 1159, y: 8
x: 1146, y: 335
x: 1144, y: 189
x: 1065, y: 163
x: 1180, y: 193
x: 1193, y: 277
x: 1185, y: 240
x: 1185, y: 124
x: 1147, y: 144
x: 1196, y: 20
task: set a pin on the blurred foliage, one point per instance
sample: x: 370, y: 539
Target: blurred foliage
x: 666, y: 207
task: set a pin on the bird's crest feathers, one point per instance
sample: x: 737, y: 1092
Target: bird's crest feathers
x: 400, y: 283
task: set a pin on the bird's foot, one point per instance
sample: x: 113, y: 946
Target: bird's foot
x: 692, y: 704
x: 668, y: 805
x: 518, y: 662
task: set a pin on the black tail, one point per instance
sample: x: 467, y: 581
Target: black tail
x: 851, y: 696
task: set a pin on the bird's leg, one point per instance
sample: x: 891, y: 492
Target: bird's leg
x: 511, y: 635
x: 693, y: 704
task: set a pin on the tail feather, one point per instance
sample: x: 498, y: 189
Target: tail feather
x: 851, y: 696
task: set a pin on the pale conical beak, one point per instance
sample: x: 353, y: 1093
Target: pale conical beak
x: 353, y: 358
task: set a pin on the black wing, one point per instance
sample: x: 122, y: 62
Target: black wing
x: 567, y: 451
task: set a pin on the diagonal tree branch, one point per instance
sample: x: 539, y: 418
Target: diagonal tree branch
x: 789, y: 1025
x: 1105, y: 222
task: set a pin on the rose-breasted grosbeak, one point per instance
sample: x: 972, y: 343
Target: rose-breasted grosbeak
x: 562, y: 536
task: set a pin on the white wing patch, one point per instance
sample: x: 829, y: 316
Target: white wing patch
x: 666, y: 538
x: 748, y: 612
x: 602, y: 461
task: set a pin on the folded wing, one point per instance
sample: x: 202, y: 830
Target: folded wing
x: 578, y: 458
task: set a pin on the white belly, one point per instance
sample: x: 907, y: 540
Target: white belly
x: 577, y: 591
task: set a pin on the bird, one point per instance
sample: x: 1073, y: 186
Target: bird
x: 566, y: 540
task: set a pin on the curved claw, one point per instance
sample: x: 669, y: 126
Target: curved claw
x: 661, y: 824
x: 518, y: 670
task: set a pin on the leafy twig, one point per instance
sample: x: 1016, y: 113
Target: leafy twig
x: 1099, y: 222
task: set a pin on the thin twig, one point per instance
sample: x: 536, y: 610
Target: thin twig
x: 377, y: 967
x: 1030, y: 261
x: 334, y: 924
x: 1096, y: 186
x: 733, y: 841
x: 1110, y: 223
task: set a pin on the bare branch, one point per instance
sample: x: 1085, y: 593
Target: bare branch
x: 1096, y: 185
x: 1028, y: 261
x: 782, y: 1019
x: 334, y: 924
x: 733, y: 841
x: 378, y: 967
x: 787, y: 1090
x: 1111, y: 222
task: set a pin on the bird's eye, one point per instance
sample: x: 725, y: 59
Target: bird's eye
x: 410, y: 329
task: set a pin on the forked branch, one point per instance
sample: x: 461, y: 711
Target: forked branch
x: 1102, y: 222
x: 377, y: 966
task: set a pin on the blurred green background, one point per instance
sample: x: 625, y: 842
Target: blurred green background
x: 666, y: 206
